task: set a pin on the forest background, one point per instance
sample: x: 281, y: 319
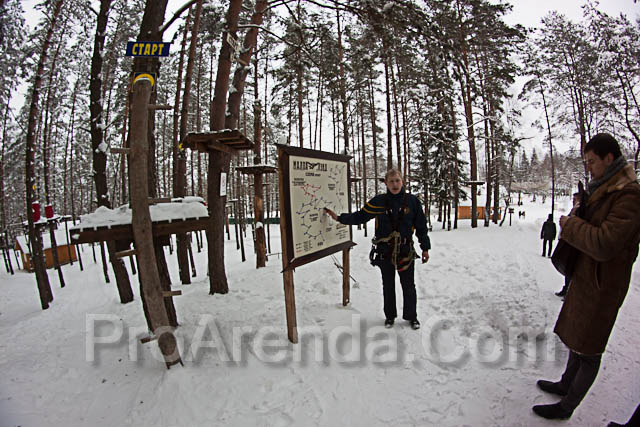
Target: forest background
x: 453, y: 93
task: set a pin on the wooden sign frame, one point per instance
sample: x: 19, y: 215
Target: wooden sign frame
x: 286, y: 233
x: 284, y: 152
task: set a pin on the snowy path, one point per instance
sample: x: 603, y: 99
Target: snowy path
x: 486, y: 290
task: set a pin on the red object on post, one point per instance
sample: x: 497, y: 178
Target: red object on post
x: 36, y: 211
x: 48, y: 211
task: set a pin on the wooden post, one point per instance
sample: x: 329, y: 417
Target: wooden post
x: 54, y: 252
x: 105, y: 269
x: 241, y: 225
x: 66, y: 233
x: 8, y: 250
x: 287, y: 275
x: 235, y: 224
x: 191, y: 260
x: 346, y: 291
x: 78, y: 251
x: 290, y: 305
x: 226, y: 216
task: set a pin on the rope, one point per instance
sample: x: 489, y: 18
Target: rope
x: 341, y: 270
x: 396, y: 240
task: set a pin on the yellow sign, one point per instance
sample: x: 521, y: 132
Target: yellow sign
x: 147, y: 49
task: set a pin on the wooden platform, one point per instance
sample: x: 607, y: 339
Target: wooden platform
x: 227, y: 141
x: 125, y: 231
x: 252, y: 170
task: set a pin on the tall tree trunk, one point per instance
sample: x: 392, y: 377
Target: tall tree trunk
x: 46, y: 132
x: 37, y: 256
x: 396, y: 116
x: 489, y: 163
x: 3, y: 205
x: 182, y: 245
x: 553, y: 170
x: 99, y: 148
x: 374, y: 130
x: 497, y: 164
x: 465, y: 87
x: 364, y: 157
x: 299, y: 73
x: 258, y: 190
x: 343, y: 93
x: 138, y: 175
x: 385, y: 59
x: 68, y: 148
x: 456, y: 178
x: 219, y: 162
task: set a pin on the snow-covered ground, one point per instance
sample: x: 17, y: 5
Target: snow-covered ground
x: 486, y: 303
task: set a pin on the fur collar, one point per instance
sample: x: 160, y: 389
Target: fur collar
x: 617, y: 182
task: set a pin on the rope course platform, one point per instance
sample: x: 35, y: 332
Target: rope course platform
x: 177, y: 216
x: 228, y: 141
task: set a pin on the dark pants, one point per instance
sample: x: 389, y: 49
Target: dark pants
x: 389, y: 291
x: 565, y: 288
x: 544, y: 246
x: 579, y: 375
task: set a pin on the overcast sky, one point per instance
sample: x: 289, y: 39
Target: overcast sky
x: 525, y: 12
x: 529, y: 12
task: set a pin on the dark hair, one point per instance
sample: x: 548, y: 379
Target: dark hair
x: 603, y: 144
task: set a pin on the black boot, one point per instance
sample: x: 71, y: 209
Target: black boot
x: 551, y: 387
x: 552, y: 412
x: 388, y: 323
x: 415, y: 324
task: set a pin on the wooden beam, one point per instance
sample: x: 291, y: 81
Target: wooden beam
x: 168, y: 294
x: 128, y: 252
x: 218, y: 146
x: 160, y: 107
x: 117, y: 150
x: 148, y: 338
x: 124, y: 231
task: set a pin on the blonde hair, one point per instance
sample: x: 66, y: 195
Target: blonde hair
x: 391, y: 172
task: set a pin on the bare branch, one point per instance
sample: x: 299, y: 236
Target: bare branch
x: 176, y: 15
x: 296, y: 46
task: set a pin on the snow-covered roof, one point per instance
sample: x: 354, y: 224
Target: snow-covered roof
x: 61, y: 240
x: 179, y: 209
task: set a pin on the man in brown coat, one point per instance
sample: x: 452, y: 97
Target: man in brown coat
x: 607, y: 238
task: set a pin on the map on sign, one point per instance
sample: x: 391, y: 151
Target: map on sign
x: 315, y: 184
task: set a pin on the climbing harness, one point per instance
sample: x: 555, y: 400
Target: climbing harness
x: 394, y: 240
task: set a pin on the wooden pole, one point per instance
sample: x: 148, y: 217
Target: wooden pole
x: 54, y: 252
x: 235, y: 223
x: 105, y: 269
x: 141, y: 224
x: 287, y: 275
x: 346, y: 291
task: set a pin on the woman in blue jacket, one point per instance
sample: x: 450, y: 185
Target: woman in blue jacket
x: 398, y: 214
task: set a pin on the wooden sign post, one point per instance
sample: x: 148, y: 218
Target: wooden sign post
x: 310, y: 181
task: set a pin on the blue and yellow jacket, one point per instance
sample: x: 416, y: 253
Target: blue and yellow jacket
x: 413, y: 218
